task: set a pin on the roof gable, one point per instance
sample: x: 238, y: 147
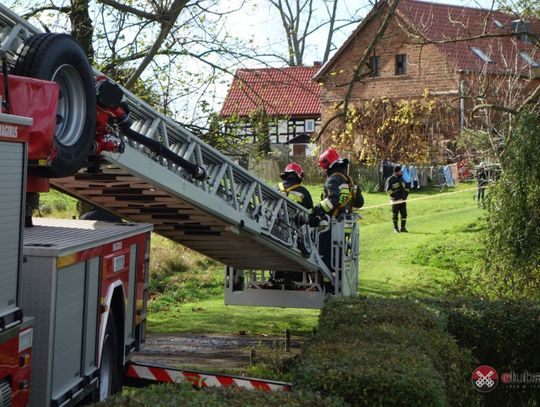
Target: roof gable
x: 279, y: 91
x: 440, y: 23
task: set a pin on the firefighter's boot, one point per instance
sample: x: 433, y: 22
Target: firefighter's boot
x: 403, y: 228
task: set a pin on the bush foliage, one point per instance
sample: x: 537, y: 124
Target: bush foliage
x: 378, y: 352
x: 184, y: 395
x: 501, y: 334
x: 512, y: 245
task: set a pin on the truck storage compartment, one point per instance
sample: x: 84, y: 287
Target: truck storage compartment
x: 65, y: 266
x: 11, y: 179
x: 13, y: 130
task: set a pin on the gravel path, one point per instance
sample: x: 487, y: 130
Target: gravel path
x: 205, y: 351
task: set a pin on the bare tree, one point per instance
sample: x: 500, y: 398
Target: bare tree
x: 301, y: 19
x: 182, y: 51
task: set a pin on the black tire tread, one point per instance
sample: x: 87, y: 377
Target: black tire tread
x: 35, y: 53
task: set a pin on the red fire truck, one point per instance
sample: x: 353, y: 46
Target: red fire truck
x: 81, y: 285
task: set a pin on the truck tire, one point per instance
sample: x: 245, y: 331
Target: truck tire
x: 60, y: 58
x: 109, y: 368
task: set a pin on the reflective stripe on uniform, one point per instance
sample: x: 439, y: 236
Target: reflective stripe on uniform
x: 290, y: 192
x: 327, y: 205
x: 347, y: 192
x: 296, y: 196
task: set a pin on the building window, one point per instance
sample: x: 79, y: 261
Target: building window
x: 374, y: 64
x: 522, y: 27
x: 310, y: 126
x: 482, y: 55
x: 401, y: 64
x: 498, y: 23
x: 529, y: 59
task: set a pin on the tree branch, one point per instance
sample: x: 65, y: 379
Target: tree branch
x: 535, y: 94
x: 166, y: 27
x: 38, y: 10
x: 495, y: 107
x: 130, y: 10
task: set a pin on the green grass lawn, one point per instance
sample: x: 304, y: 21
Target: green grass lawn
x: 418, y: 263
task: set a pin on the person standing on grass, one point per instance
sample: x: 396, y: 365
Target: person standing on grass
x: 482, y: 181
x: 395, y: 187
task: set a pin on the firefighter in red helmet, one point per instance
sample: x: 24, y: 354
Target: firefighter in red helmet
x: 292, y: 187
x: 341, y: 194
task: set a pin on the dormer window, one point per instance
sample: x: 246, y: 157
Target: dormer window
x: 529, y: 60
x: 522, y: 27
x: 498, y: 23
x: 482, y: 55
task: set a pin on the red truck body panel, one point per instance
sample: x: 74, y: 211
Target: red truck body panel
x: 36, y: 99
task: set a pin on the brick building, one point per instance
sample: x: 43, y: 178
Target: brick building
x: 288, y: 96
x: 493, y: 57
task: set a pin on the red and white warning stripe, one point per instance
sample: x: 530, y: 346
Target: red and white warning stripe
x: 199, y: 379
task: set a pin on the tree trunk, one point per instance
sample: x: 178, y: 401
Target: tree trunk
x: 81, y: 26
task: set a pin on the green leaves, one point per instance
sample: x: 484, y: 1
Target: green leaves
x: 400, y: 131
x: 512, y: 239
x: 385, y: 352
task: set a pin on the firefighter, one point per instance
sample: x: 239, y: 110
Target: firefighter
x: 395, y: 187
x: 482, y: 182
x: 341, y: 194
x: 292, y: 187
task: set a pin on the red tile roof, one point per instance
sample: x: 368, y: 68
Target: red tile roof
x: 280, y: 91
x: 441, y: 22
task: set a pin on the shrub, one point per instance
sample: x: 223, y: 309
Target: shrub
x: 369, y: 186
x: 185, y: 396
x: 512, y: 255
x: 375, y: 352
x: 501, y: 334
x: 271, y: 360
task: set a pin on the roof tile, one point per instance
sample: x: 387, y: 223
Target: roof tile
x: 442, y: 22
x: 280, y: 91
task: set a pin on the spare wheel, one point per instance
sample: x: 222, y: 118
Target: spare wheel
x: 60, y: 58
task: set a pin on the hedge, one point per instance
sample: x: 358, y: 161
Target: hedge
x: 380, y: 352
x: 501, y: 334
x: 184, y: 395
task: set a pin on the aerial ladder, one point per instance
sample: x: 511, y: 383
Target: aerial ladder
x: 145, y: 167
